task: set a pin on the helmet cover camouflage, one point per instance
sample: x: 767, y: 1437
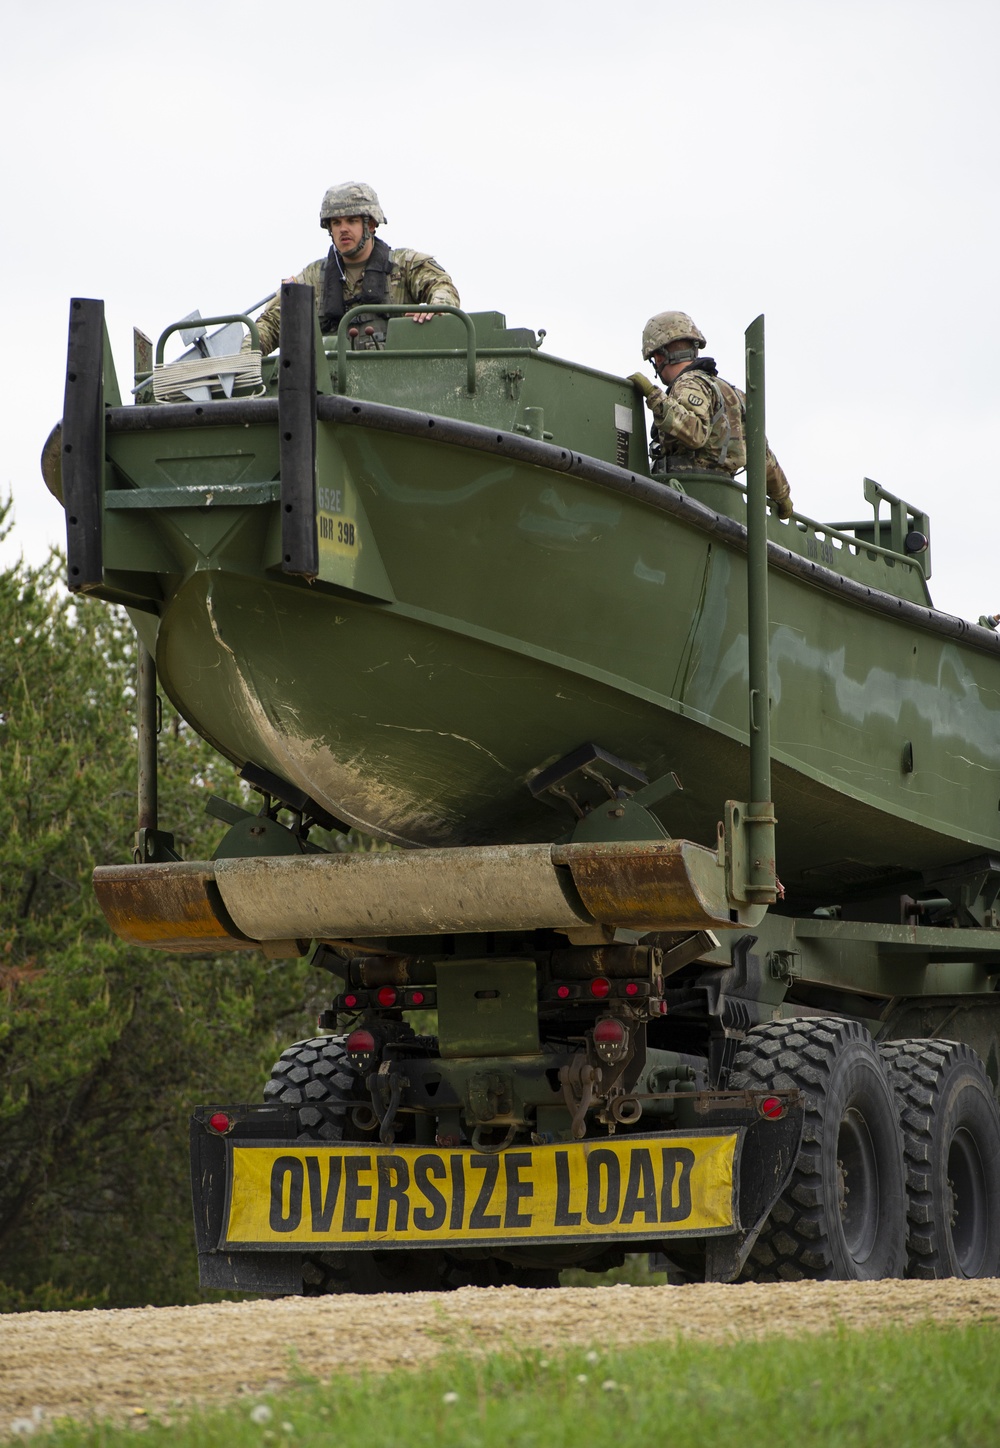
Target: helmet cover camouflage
x: 350, y: 198
x: 667, y: 327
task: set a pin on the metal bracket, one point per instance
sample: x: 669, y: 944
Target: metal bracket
x: 973, y: 888
x: 489, y: 1097
x: 279, y: 792
x: 153, y: 846
x: 586, y: 777
x: 784, y: 965
x: 746, y: 849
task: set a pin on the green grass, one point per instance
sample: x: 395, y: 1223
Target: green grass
x: 933, y: 1386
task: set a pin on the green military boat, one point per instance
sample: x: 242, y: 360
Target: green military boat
x: 488, y: 576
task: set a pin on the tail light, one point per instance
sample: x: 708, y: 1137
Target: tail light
x: 360, y: 1043
x: 610, y: 1038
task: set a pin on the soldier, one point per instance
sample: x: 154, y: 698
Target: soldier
x: 359, y: 267
x: 700, y: 419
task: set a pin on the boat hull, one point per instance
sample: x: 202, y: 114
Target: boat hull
x: 491, y: 614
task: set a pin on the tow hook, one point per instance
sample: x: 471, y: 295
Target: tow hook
x: 386, y: 1087
x: 578, y: 1080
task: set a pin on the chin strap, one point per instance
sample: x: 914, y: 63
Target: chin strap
x: 366, y: 236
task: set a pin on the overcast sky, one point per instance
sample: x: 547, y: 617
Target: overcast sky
x: 577, y: 166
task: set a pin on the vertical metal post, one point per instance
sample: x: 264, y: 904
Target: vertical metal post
x: 760, y: 821
x: 297, y: 431
x: 151, y: 843
x: 146, y: 701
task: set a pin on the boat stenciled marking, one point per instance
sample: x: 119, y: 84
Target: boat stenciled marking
x: 338, y: 533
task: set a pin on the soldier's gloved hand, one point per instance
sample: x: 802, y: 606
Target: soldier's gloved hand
x: 645, y: 384
x: 783, y: 506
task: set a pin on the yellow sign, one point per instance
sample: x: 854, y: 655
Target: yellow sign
x: 335, y: 523
x: 362, y: 1195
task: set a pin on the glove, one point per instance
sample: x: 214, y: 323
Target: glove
x: 783, y: 506
x: 645, y: 384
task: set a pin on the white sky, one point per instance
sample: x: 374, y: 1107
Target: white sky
x: 576, y: 165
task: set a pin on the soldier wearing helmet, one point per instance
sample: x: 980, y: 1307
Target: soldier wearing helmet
x: 360, y: 268
x: 699, y: 419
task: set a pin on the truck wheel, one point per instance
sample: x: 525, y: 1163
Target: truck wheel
x: 951, y: 1140
x: 314, y: 1073
x: 842, y: 1215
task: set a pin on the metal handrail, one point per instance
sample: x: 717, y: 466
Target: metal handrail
x: 186, y: 324
x: 805, y: 524
x: 403, y: 309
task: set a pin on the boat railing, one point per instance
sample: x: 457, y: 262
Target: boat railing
x: 848, y: 535
x: 908, y: 529
x: 402, y: 309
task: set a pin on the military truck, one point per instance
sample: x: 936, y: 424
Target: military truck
x: 685, y: 939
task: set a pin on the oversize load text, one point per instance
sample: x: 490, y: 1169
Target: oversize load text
x: 639, y: 1187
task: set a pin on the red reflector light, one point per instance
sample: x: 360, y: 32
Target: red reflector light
x: 600, y: 987
x: 631, y: 988
x: 562, y: 992
x: 609, y: 1033
x: 417, y: 997
x: 220, y: 1123
x: 359, y: 1043
x: 350, y: 1001
x: 772, y: 1108
x: 387, y: 996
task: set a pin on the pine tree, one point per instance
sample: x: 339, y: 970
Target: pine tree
x: 104, y: 1048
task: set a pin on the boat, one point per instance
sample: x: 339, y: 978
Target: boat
x: 409, y: 580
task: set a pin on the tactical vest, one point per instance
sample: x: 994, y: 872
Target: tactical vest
x: 374, y: 286
x: 729, y: 407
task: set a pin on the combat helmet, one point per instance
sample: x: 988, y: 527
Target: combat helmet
x: 350, y: 198
x: 667, y: 327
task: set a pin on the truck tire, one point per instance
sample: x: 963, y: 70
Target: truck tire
x: 842, y: 1216
x: 951, y: 1142
x: 317, y: 1073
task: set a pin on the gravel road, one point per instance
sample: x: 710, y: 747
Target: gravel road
x: 85, y: 1364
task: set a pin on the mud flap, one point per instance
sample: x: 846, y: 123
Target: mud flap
x: 268, y: 1274
x: 765, y: 1166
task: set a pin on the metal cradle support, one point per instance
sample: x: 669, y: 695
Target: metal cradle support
x: 83, y: 445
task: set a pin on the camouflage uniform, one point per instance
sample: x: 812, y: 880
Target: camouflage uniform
x: 415, y: 277
x: 700, y: 420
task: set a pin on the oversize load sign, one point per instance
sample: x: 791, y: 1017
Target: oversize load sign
x: 358, y: 1195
